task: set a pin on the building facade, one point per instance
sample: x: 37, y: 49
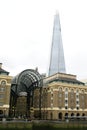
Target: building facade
x: 5, y: 84
x: 62, y: 96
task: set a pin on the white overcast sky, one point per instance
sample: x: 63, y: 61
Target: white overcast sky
x: 26, y: 28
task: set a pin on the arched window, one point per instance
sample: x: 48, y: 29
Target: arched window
x: 3, y: 83
x: 66, y: 89
x: 60, y: 89
x: 60, y: 92
x: 72, y: 93
x: 77, y: 91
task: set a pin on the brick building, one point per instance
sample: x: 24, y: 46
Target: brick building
x: 62, y: 96
x: 5, y: 84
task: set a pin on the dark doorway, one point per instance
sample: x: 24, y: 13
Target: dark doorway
x: 60, y: 116
x: 78, y: 116
x: 51, y: 115
x: 83, y: 116
x: 72, y: 115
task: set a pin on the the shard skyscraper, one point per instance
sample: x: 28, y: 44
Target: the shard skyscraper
x: 57, y: 62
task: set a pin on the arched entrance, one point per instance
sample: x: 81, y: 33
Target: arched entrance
x: 22, y: 93
x: 60, y: 116
x: 83, y: 116
x: 77, y: 115
x: 72, y: 115
x: 66, y: 115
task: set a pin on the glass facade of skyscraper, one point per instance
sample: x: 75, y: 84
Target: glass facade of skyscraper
x: 57, y: 62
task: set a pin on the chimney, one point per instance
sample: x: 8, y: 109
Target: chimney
x: 0, y: 65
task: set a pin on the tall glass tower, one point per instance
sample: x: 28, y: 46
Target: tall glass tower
x: 57, y: 62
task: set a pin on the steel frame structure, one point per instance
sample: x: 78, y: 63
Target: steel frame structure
x: 25, y: 83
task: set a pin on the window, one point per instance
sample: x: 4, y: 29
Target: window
x: 51, y: 98
x: 2, y: 89
x: 77, y: 96
x: 52, y: 95
x: 66, y: 89
x: 66, y: 107
x: 66, y: 101
x: 77, y: 102
x: 77, y: 91
x: 51, y: 105
x: 66, y: 95
x: 77, y: 108
x: 3, y: 83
